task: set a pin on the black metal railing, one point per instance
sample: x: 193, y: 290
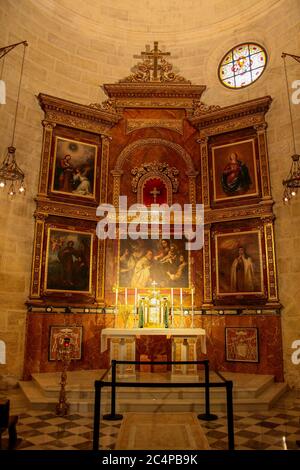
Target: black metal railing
x: 207, y: 416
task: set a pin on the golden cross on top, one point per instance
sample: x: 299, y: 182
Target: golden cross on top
x: 154, y: 55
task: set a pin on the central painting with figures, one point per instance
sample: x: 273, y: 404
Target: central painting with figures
x: 143, y: 261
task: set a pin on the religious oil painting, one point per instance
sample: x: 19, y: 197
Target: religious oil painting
x: 143, y: 261
x: 74, y: 168
x: 239, y: 263
x: 68, y: 261
x: 64, y: 336
x: 241, y: 344
x: 234, y: 170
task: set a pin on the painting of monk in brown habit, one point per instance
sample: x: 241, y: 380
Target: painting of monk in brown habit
x: 68, y: 261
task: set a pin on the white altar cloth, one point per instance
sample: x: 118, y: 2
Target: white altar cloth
x: 169, y: 332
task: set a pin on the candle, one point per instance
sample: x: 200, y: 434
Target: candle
x: 284, y: 443
x: 172, y: 307
x: 192, y: 307
x: 181, y: 309
x: 126, y: 296
x: 116, y: 308
x: 135, y: 297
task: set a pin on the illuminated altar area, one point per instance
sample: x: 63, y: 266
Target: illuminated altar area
x: 156, y: 142
x: 153, y: 309
x: 153, y: 314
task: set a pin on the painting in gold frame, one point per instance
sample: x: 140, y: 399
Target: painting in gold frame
x: 142, y: 261
x: 74, y: 168
x: 239, y: 268
x: 234, y: 170
x: 68, y: 261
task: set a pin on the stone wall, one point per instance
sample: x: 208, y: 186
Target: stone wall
x: 76, y: 46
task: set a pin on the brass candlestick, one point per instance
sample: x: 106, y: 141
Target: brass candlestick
x: 65, y: 354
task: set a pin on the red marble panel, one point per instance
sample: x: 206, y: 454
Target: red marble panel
x: 155, y: 347
x: 269, y: 337
x: 37, y: 345
x: 160, y: 367
x: 144, y: 367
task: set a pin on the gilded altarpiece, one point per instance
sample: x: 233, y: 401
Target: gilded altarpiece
x: 154, y: 141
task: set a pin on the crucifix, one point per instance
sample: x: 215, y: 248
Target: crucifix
x: 154, y: 284
x: 154, y: 55
x: 155, y: 192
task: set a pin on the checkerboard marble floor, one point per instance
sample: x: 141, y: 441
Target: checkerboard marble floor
x: 275, y: 429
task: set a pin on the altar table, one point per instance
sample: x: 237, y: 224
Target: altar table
x: 184, y: 341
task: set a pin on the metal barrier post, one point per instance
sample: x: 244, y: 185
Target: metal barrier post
x: 97, y: 408
x: 207, y: 416
x: 229, y: 386
x: 112, y: 416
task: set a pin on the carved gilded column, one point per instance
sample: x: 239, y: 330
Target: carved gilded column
x: 207, y: 282
x: 36, y: 269
x: 192, y: 175
x: 270, y: 261
x: 204, y: 170
x: 104, y: 168
x: 192, y: 355
x: 176, y: 355
x: 264, y: 161
x: 122, y: 348
x: 46, y: 154
x: 117, y: 186
x: 184, y: 349
x: 100, y: 287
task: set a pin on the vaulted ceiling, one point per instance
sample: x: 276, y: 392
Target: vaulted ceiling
x: 157, y: 16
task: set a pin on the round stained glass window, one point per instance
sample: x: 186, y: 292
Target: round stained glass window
x: 242, y: 65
